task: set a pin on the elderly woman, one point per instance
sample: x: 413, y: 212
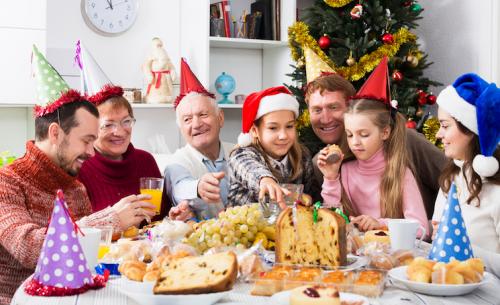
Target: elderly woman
x: 115, y: 170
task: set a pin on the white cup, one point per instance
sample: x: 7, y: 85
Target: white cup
x: 403, y: 233
x: 90, y: 245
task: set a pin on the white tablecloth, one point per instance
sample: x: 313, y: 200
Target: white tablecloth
x: 487, y: 294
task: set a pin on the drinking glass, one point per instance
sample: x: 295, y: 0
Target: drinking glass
x: 154, y: 187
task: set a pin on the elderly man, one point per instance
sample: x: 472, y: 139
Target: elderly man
x: 197, y: 171
x: 65, y: 130
x: 327, y: 97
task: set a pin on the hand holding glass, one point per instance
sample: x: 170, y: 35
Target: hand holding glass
x: 154, y: 188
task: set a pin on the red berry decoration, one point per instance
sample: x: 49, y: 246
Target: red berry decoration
x: 422, y: 97
x: 397, y: 76
x: 324, y: 42
x: 387, y: 38
x: 411, y: 124
x: 407, y: 3
x: 431, y: 99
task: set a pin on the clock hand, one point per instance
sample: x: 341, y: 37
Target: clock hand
x: 110, y: 3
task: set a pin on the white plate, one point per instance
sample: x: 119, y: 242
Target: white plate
x: 399, y: 274
x: 283, y: 298
x: 140, y: 296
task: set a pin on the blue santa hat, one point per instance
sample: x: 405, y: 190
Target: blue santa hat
x: 476, y: 104
x: 451, y: 240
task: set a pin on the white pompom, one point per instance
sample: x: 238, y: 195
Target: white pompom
x: 485, y: 166
x: 244, y: 139
x: 394, y: 104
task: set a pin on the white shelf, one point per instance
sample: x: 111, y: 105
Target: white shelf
x: 242, y: 43
x: 16, y: 105
x: 223, y: 106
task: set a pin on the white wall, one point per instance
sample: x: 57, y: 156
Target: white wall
x: 461, y: 37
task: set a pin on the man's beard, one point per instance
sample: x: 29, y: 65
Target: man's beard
x: 64, y: 162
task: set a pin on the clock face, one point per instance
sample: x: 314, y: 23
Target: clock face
x: 110, y: 17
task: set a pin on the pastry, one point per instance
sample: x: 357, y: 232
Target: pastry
x: 270, y: 282
x: 314, y: 295
x: 251, y: 264
x: 303, y: 276
x: 444, y: 275
x: 380, y: 236
x: 337, y: 277
x: 133, y: 231
x: 151, y: 276
x: 133, y: 270
x: 196, y: 275
x: 334, y: 153
x: 472, y: 270
x: 420, y: 274
x: 308, y: 243
x: 382, y: 261
x: 369, y: 283
x: 403, y: 257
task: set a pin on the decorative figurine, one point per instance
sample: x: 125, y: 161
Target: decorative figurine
x: 159, y: 73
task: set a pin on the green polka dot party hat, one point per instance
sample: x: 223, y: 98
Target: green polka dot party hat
x: 52, y: 90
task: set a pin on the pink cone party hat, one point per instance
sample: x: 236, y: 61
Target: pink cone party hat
x: 451, y: 240
x: 62, y: 267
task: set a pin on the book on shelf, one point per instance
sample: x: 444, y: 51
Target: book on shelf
x: 266, y: 27
x: 254, y: 23
x: 226, y: 9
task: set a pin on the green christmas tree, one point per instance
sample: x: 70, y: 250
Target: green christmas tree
x: 352, y: 37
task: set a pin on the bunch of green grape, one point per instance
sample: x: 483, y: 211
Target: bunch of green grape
x: 237, y: 226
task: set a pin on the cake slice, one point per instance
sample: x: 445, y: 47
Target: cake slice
x: 314, y: 295
x: 307, y: 243
x: 196, y: 275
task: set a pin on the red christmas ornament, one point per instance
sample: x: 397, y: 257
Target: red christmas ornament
x: 431, y: 99
x: 397, y: 76
x: 387, y: 38
x: 422, y: 97
x: 324, y: 42
x: 407, y: 3
x: 411, y: 124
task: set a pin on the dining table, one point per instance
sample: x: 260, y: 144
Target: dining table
x: 394, y: 294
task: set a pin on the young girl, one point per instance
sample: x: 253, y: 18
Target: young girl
x: 269, y: 152
x: 378, y: 184
x: 470, y: 129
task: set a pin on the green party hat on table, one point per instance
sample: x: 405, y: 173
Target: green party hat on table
x: 52, y: 90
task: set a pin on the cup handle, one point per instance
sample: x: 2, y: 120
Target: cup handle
x: 424, y: 232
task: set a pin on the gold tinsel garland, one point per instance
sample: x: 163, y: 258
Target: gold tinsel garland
x: 303, y: 120
x: 430, y: 129
x: 337, y: 3
x: 299, y: 37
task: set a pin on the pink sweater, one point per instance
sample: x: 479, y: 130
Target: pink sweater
x: 361, y: 181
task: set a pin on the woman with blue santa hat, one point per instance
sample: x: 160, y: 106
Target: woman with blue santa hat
x: 469, y: 114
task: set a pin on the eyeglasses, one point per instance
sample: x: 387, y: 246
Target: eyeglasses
x: 126, y: 123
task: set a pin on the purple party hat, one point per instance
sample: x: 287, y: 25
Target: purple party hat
x: 451, y: 240
x: 62, y: 267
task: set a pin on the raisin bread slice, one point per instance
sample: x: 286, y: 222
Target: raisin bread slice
x: 307, y: 243
x: 196, y: 275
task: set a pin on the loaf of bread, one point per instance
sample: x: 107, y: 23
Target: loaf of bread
x: 196, y: 275
x: 308, y: 243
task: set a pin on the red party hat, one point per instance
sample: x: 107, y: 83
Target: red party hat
x: 189, y: 83
x: 376, y: 87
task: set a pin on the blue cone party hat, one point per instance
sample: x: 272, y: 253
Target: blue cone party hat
x: 62, y: 267
x: 451, y: 240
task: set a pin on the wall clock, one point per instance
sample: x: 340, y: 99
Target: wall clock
x: 110, y: 17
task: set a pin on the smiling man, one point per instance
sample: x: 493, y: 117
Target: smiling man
x: 327, y: 98
x: 197, y: 171
x: 66, y: 127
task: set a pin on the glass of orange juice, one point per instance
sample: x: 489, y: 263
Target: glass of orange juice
x: 105, y: 243
x: 153, y: 187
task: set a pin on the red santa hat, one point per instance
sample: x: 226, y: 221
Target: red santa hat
x: 189, y: 83
x: 263, y: 102
x: 377, y: 86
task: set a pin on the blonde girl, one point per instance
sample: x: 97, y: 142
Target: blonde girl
x: 378, y: 184
x: 269, y: 152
